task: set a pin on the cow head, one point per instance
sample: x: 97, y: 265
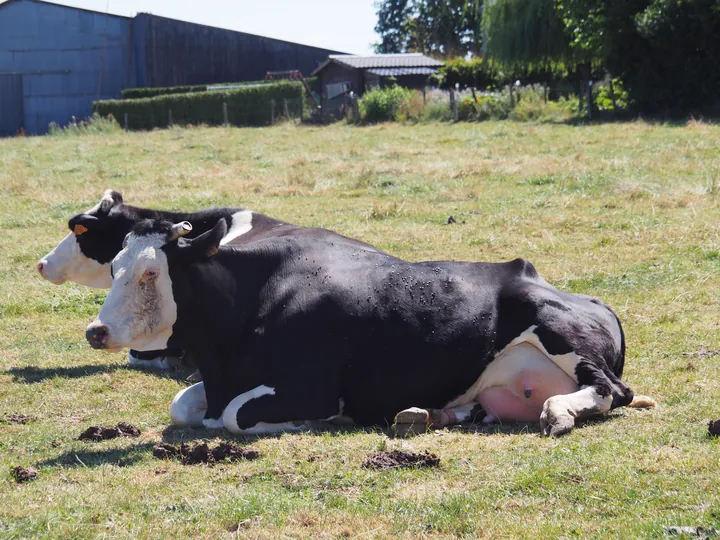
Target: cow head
x: 84, y: 255
x: 140, y: 309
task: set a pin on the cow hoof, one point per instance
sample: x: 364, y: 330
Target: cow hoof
x: 213, y: 423
x: 413, y: 415
x: 555, y: 420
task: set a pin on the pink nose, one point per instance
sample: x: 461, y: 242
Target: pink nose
x: 40, y: 267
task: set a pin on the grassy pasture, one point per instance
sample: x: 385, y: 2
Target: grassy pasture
x: 626, y: 212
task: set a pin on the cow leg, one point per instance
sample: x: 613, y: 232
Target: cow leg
x: 600, y: 391
x: 263, y: 410
x: 189, y: 406
x: 436, y: 418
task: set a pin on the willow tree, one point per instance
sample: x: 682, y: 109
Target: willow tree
x: 529, y: 36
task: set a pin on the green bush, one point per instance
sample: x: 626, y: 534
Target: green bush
x: 531, y: 107
x: 139, y: 93
x: 437, y: 112
x: 249, y: 106
x: 384, y: 104
x: 93, y: 125
x: 603, y: 99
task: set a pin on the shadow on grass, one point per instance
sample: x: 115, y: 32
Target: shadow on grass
x: 35, y: 374
x: 90, y: 458
x: 178, y: 435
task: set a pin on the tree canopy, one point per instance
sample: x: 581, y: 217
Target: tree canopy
x: 443, y: 28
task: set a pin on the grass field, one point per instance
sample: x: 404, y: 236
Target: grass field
x: 626, y: 212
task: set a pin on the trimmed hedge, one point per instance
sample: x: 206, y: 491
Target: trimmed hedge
x: 246, y: 106
x: 140, y: 93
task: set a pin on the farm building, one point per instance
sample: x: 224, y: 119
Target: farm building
x: 341, y: 74
x: 56, y: 60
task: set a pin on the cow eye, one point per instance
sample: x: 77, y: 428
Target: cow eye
x: 149, y: 274
x: 112, y: 272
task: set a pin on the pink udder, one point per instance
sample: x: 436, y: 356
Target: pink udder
x: 509, y: 403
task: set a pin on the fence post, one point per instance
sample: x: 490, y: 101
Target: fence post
x: 356, y: 109
x: 272, y: 111
x: 285, y: 106
x: 225, y: 115
x: 453, y: 101
x: 126, y: 123
x: 170, y: 122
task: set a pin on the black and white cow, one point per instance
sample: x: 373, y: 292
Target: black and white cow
x: 288, y: 330
x: 96, y: 237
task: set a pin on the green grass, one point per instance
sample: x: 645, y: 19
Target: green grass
x: 629, y: 212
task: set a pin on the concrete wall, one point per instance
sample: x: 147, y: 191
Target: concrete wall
x: 66, y: 59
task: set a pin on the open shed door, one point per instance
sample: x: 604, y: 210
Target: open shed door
x: 11, y: 105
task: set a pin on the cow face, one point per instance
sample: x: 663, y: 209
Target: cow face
x: 140, y: 309
x: 84, y: 255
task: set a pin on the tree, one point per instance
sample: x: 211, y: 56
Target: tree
x: 445, y: 28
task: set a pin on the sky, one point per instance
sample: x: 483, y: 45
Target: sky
x: 341, y: 25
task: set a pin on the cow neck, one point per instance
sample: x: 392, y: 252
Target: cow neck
x: 202, y: 221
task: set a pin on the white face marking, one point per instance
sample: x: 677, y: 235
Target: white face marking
x: 189, y: 406
x: 241, y: 224
x: 68, y: 263
x: 139, y: 310
x: 231, y: 411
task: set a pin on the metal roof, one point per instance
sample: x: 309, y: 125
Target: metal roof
x: 409, y: 60
x: 397, y: 72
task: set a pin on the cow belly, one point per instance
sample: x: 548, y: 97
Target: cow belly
x: 515, y: 385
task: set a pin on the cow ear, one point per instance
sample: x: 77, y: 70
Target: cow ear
x: 207, y: 244
x: 82, y: 223
x: 109, y: 199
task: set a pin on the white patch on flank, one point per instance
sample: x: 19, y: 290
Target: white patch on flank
x: 189, y: 406
x: 505, y: 367
x: 230, y: 413
x: 139, y: 313
x: 68, y: 263
x: 160, y: 363
x: 567, y: 362
x: 241, y: 224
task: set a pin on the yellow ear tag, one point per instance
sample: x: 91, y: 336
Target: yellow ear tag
x: 79, y: 229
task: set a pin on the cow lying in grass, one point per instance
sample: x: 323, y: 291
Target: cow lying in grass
x: 288, y: 330
x: 96, y: 237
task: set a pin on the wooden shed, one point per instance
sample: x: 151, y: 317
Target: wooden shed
x: 341, y: 74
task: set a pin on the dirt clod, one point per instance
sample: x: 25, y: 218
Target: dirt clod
x: 714, y: 428
x: 102, y: 433
x: 400, y: 459
x: 23, y: 474
x: 202, y: 453
x: 18, y: 418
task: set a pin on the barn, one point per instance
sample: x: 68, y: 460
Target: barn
x: 341, y: 74
x: 56, y: 60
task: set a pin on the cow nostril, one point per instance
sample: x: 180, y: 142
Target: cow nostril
x: 40, y: 267
x: 97, y: 336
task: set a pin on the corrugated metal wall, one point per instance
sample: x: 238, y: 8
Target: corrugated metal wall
x: 66, y: 57
x: 178, y: 53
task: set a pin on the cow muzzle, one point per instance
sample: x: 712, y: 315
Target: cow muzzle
x: 97, y: 335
